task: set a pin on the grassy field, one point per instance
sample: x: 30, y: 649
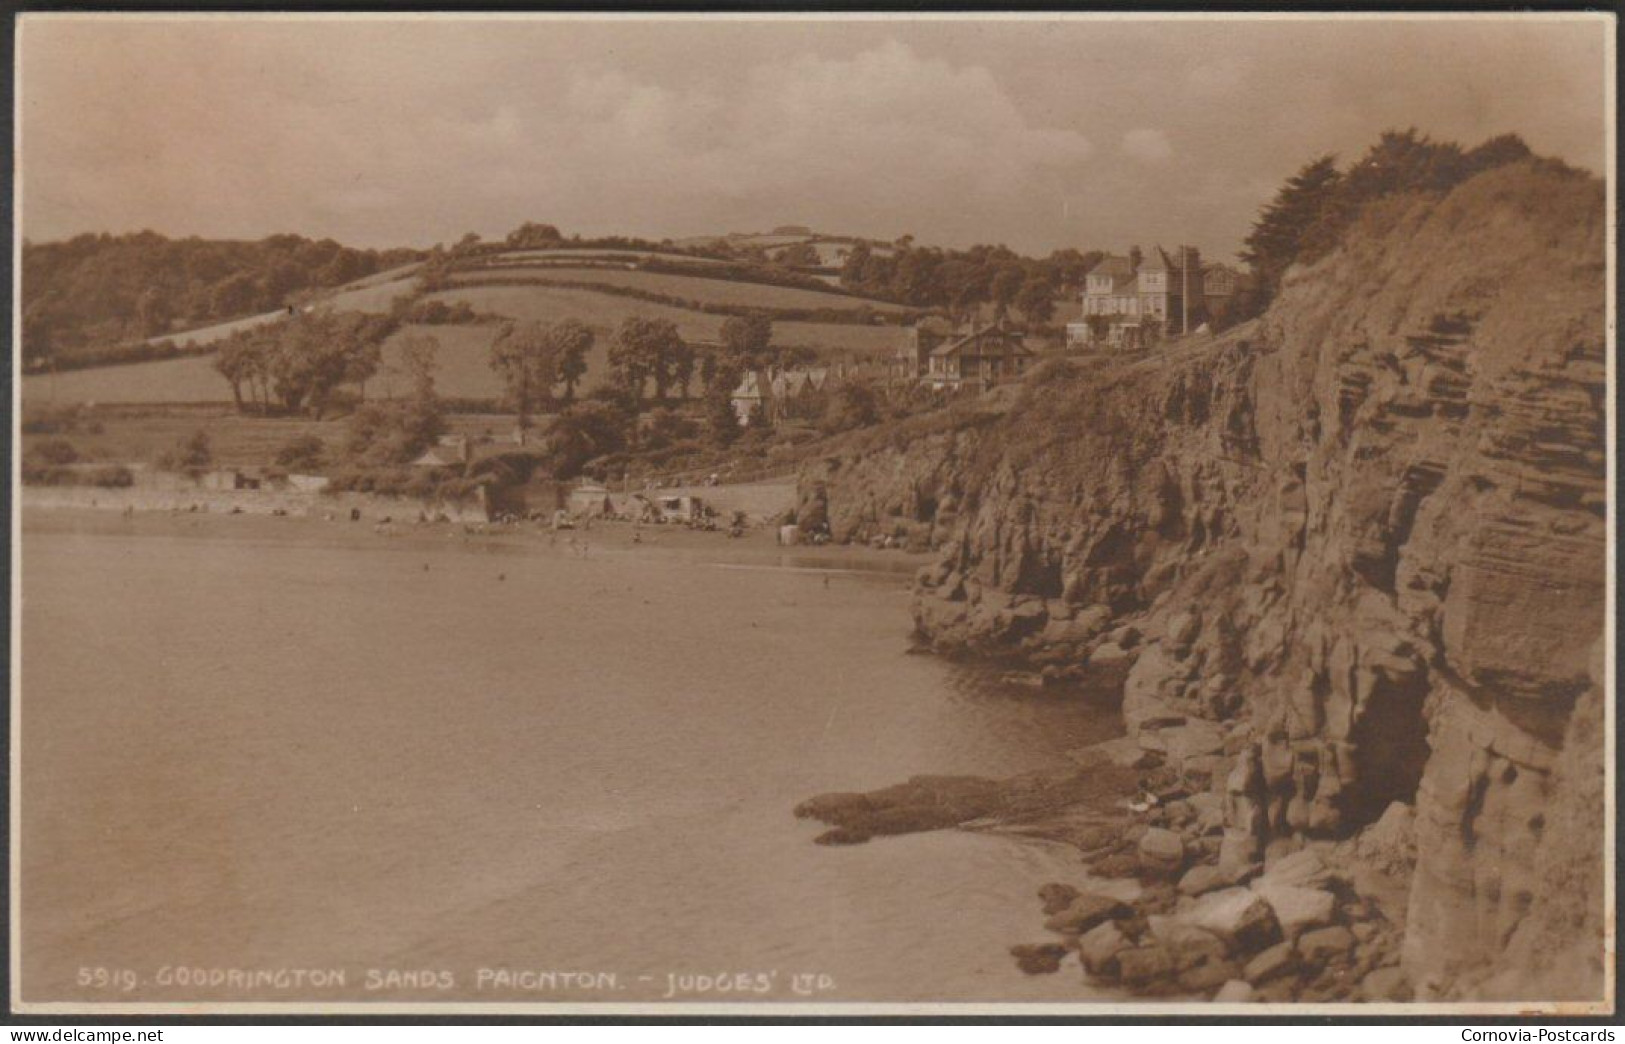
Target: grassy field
x: 842, y: 337
x: 464, y: 359
x: 690, y: 287
x: 191, y: 379
x: 464, y: 368
x: 374, y: 295
x: 566, y: 253
x: 602, y: 312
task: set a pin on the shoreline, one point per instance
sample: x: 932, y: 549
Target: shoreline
x: 756, y: 548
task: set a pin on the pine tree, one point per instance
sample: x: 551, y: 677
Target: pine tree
x: 1279, y: 234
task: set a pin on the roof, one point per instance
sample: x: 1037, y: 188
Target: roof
x: 1157, y: 261
x: 1010, y: 339
x: 1160, y: 260
x: 750, y: 386
x: 794, y: 382
x: 439, y: 457
x: 1117, y: 266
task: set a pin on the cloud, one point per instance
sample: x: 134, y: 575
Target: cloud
x: 882, y: 124
x: 379, y: 132
x: 1151, y: 146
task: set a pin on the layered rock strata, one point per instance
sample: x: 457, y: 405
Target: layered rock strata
x: 1353, y: 550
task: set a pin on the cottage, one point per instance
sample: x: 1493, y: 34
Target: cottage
x: 591, y: 500
x: 227, y: 479
x: 752, y: 397
x: 1125, y: 303
x: 308, y: 483
x: 449, y: 451
x: 1222, y: 286
x: 912, y: 357
x: 979, y: 358
x: 779, y: 394
x: 683, y: 508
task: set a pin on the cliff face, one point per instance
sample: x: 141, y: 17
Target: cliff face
x: 1369, y: 524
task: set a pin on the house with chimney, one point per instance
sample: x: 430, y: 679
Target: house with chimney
x: 978, y: 357
x: 912, y: 357
x: 782, y: 394
x: 1129, y: 300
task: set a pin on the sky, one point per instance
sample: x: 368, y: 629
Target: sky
x: 1038, y: 133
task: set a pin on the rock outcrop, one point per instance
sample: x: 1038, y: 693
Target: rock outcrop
x: 1343, y: 567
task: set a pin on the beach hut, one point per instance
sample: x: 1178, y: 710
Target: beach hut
x: 591, y: 500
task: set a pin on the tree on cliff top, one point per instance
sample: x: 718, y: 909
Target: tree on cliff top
x: 1279, y: 233
x: 1308, y: 216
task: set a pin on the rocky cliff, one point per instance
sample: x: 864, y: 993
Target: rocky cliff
x: 1363, y: 533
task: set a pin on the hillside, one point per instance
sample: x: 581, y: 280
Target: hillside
x: 507, y: 292
x: 1344, y: 569
x: 88, y: 293
x: 707, y: 291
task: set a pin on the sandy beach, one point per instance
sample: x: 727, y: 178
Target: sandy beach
x: 508, y: 764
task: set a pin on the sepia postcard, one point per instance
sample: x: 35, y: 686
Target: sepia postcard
x: 790, y: 514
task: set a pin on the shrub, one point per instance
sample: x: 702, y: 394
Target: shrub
x: 390, y: 433
x: 303, y: 453
x: 191, y: 454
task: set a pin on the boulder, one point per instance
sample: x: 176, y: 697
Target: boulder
x: 1274, y: 962
x: 1086, y: 911
x: 1389, y: 844
x: 1099, y: 947
x: 1039, y: 958
x: 1197, y: 737
x: 1116, y: 865
x: 1128, y: 636
x: 1078, y: 629
x: 1304, y: 867
x: 1056, y: 897
x: 1323, y: 944
x: 1144, y: 965
x: 1209, y: 810
x: 1111, y: 656
x: 1161, y: 851
x: 1208, y: 976
x: 1200, y: 880
x: 1236, y: 991
x: 1124, y: 752
x: 1203, y: 769
x: 1238, y: 916
x: 1238, y: 853
x: 1385, y: 984
x: 1190, y: 947
x: 1181, y: 629
x: 1297, y: 909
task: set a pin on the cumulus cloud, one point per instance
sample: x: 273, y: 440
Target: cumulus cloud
x: 1146, y: 144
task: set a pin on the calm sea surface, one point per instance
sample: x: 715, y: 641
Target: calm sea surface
x: 275, y: 757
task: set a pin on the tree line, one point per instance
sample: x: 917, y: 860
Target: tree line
x: 94, y: 290
x: 297, y: 364
x: 1311, y: 211
x: 961, y: 281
